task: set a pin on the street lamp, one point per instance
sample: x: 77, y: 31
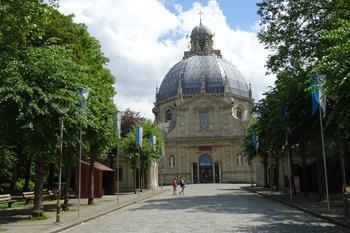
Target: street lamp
x: 58, y: 209
x: 83, y: 96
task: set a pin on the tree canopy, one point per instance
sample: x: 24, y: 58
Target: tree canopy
x: 45, y: 58
x: 304, y: 38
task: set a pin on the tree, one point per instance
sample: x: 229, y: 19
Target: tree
x: 44, y: 60
x: 148, y: 153
x: 36, y: 87
x: 100, y: 131
x: 129, y: 119
x: 304, y: 37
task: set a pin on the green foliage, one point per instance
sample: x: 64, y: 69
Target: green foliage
x: 35, y: 88
x: 335, y: 64
x: 7, y: 169
x: 248, y: 143
x: 38, y: 218
x: 130, y: 152
x: 304, y: 37
x: 20, y: 185
x: 45, y: 57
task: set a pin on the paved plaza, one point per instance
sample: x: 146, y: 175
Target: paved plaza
x: 207, y: 208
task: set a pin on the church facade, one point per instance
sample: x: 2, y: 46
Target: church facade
x: 202, y: 106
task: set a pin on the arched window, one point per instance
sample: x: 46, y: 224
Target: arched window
x: 239, y: 113
x: 205, y: 160
x: 203, y: 120
x: 172, y: 161
x: 239, y: 160
x: 168, y: 115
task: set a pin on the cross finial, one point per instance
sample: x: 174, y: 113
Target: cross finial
x: 200, y: 17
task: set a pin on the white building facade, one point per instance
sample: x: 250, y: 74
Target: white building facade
x: 203, y: 106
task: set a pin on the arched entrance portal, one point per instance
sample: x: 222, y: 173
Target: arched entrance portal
x: 205, y: 169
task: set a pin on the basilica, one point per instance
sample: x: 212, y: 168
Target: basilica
x: 203, y: 105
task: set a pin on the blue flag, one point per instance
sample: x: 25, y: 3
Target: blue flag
x: 84, y: 95
x: 317, y: 95
x: 117, y: 123
x: 152, y: 140
x: 138, y: 136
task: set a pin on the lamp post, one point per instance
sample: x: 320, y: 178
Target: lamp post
x: 58, y: 207
x: 83, y: 96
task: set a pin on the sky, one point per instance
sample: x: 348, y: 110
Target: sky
x: 144, y: 38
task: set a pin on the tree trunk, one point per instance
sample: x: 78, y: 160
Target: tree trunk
x: 93, y: 156
x: 27, y: 173
x: 38, y: 209
x: 277, y: 173
x: 304, y: 165
x: 291, y: 171
x: 66, y: 196
x: 141, y: 179
x: 134, y: 176
x: 50, y: 177
x: 320, y: 178
x: 145, y: 179
x: 265, y: 171
x: 342, y: 162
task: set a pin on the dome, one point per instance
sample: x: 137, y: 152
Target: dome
x: 214, y: 70
x: 200, y: 30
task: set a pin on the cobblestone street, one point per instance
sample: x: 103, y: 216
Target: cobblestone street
x: 207, y: 208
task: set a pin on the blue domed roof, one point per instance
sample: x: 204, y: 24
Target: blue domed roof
x: 215, y: 71
x: 200, y: 30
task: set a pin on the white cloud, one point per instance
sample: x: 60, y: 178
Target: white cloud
x: 130, y: 33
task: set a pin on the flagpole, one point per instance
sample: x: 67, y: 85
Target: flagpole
x: 118, y: 124
x: 139, y: 176
x: 83, y: 96
x: 117, y: 183
x: 324, y: 157
x: 79, y: 174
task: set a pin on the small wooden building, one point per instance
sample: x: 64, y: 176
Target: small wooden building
x: 103, y: 180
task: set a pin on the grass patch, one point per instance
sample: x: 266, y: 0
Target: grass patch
x: 4, y: 205
x: 2, y: 230
x: 106, y: 200
x: 43, y: 217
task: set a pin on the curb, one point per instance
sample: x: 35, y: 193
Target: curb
x: 104, y: 213
x: 329, y: 219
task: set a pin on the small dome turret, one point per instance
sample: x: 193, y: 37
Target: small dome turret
x: 201, y: 30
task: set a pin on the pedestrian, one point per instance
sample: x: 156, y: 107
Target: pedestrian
x: 174, y: 184
x: 182, y: 185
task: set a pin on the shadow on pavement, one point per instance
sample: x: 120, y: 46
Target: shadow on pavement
x: 264, y: 215
x: 20, y: 214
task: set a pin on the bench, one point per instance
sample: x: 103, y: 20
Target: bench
x: 28, y: 196
x: 6, y: 198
